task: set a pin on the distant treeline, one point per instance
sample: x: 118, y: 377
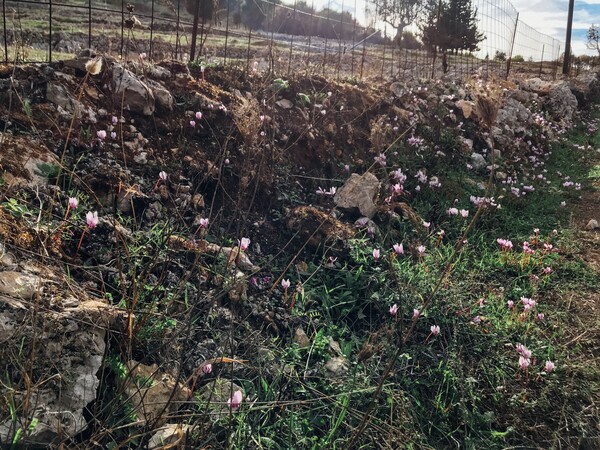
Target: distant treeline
x: 299, y: 19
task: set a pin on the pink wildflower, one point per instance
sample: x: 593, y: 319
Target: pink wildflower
x: 394, y: 310
x: 523, y: 362
x: 244, y: 243
x: 399, y: 249
x: 236, y: 400
x: 91, y: 219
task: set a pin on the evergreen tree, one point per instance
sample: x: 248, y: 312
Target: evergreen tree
x: 451, y: 25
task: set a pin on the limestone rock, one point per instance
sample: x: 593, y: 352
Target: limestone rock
x: 159, y: 73
x: 359, y: 192
x: 478, y: 161
x: 398, y: 89
x: 561, y: 103
x: 172, y: 435
x: 164, y: 99
x: 133, y: 92
x: 586, y: 88
x: 592, y: 225
x: 153, y: 394
x: 70, y: 335
x: 284, y: 103
x: 536, y: 85
x: 301, y: 338
x: 216, y: 394
x: 60, y: 96
x: 19, y: 285
x: 334, y: 347
x: 336, y: 367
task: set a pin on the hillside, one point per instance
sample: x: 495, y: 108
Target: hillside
x: 223, y: 259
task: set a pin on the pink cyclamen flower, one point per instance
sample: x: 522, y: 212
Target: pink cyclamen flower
x: 101, y: 134
x: 73, y: 202
x: 285, y: 284
x: 236, y: 400
x: 416, y: 313
x: 394, y: 310
x: 435, y: 330
x: 207, y: 369
x: 464, y: 213
x: 114, y: 120
x: 91, y: 219
x: 198, y: 115
x: 398, y: 248
x: 192, y: 123
x: 523, y: 351
x: 541, y: 316
x: 162, y: 175
x: 203, y: 223
x: 376, y: 254
x: 421, y: 249
x: 549, y: 366
x: 113, y: 135
x: 524, y: 362
x: 510, y: 304
x: 244, y: 243
x: 504, y: 244
x: 547, y: 270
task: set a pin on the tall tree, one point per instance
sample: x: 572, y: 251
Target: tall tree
x: 451, y: 25
x: 398, y: 13
x: 593, y: 38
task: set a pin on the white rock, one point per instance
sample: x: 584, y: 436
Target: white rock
x: 359, y: 192
x: 592, y: 225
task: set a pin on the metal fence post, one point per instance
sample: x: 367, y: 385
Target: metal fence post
x: 177, y: 29
x: 195, y: 31
x: 50, y: 31
x: 122, y: 26
x: 512, y: 46
x: 248, y: 51
x: 151, y: 30
x: 5, y: 33
x: 227, y: 31
x: 90, y: 24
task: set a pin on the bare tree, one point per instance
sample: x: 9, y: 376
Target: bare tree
x: 398, y: 13
x: 593, y: 38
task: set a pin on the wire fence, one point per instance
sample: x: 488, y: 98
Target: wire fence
x: 343, y: 39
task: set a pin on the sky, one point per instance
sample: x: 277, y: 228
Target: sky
x: 546, y: 16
